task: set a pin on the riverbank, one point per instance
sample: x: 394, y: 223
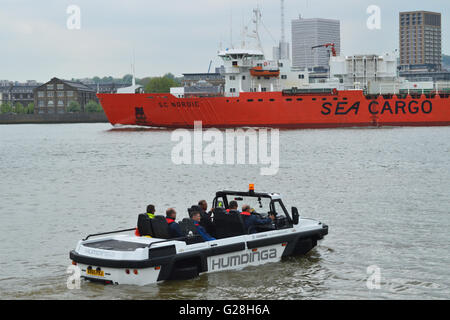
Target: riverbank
x: 53, y: 118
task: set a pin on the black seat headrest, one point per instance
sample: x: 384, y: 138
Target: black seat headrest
x: 160, y: 227
x: 188, y: 225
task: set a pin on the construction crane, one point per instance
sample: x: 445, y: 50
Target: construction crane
x: 326, y: 45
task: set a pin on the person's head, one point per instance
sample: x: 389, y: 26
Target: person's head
x: 150, y: 208
x: 203, y: 204
x: 171, y: 213
x: 233, y: 205
x: 245, y: 208
x: 196, y: 216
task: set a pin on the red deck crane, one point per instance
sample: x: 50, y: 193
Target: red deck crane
x: 326, y: 45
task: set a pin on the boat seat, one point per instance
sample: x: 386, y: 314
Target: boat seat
x: 188, y: 225
x: 228, y: 224
x: 144, y: 225
x: 160, y: 227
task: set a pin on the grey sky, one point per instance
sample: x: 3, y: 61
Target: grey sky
x: 174, y: 35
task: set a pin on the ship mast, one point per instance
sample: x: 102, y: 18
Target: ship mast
x: 283, y: 37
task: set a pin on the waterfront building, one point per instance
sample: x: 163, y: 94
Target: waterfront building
x: 420, y: 40
x: 308, y: 33
x: 56, y: 95
x: 17, y: 92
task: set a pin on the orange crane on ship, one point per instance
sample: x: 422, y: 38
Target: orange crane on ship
x: 326, y: 45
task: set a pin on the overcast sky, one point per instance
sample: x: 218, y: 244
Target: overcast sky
x: 178, y: 36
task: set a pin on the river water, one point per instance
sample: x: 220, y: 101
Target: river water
x: 385, y: 194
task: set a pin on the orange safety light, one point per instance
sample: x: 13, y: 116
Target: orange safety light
x: 251, y: 187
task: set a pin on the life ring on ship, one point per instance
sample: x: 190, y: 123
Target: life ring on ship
x: 265, y: 63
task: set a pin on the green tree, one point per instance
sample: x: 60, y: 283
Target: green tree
x: 18, y: 108
x: 30, y: 108
x: 127, y: 79
x: 6, y: 107
x: 161, y: 84
x: 74, y: 106
x: 93, y: 106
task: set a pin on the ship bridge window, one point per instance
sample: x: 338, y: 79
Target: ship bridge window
x: 232, y: 78
x: 263, y: 89
x: 301, y: 76
x: 283, y: 76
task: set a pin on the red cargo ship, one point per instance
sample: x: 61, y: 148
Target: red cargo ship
x: 278, y: 109
x: 263, y: 93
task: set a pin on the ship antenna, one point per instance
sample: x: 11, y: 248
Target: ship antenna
x: 231, y: 26
x: 283, y: 38
x: 132, y: 69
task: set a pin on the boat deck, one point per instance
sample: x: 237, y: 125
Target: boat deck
x: 116, y: 245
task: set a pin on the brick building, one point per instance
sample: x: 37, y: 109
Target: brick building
x: 55, y: 96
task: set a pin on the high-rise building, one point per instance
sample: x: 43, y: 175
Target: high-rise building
x: 307, y: 33
x: 420, y: 39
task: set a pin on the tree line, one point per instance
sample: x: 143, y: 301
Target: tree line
x: 150, y: 84
x: 18, y: 108
x: 74, y: 106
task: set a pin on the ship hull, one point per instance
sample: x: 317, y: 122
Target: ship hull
x: 274, y: 109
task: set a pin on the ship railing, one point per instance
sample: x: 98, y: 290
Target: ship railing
x: 320, y: 91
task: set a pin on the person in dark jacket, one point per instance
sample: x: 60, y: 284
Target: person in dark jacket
x: 205, y: 216
x: 252, y: 221
x: 233, y: 207
x: 174, y: 228
x: 205, y: 235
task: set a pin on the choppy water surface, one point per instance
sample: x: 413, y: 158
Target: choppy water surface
x: 385, y: 194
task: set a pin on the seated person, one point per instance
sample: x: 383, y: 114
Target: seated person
x: 233, y: 207
x: 196, y: 217
x: 251, y: 221
x: 205, y: 216
x: 151, y: 211
x: 174, y: 228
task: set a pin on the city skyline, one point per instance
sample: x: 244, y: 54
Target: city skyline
x: 176, y: 36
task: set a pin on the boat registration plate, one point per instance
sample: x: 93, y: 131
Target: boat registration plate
x: 98, y: 273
